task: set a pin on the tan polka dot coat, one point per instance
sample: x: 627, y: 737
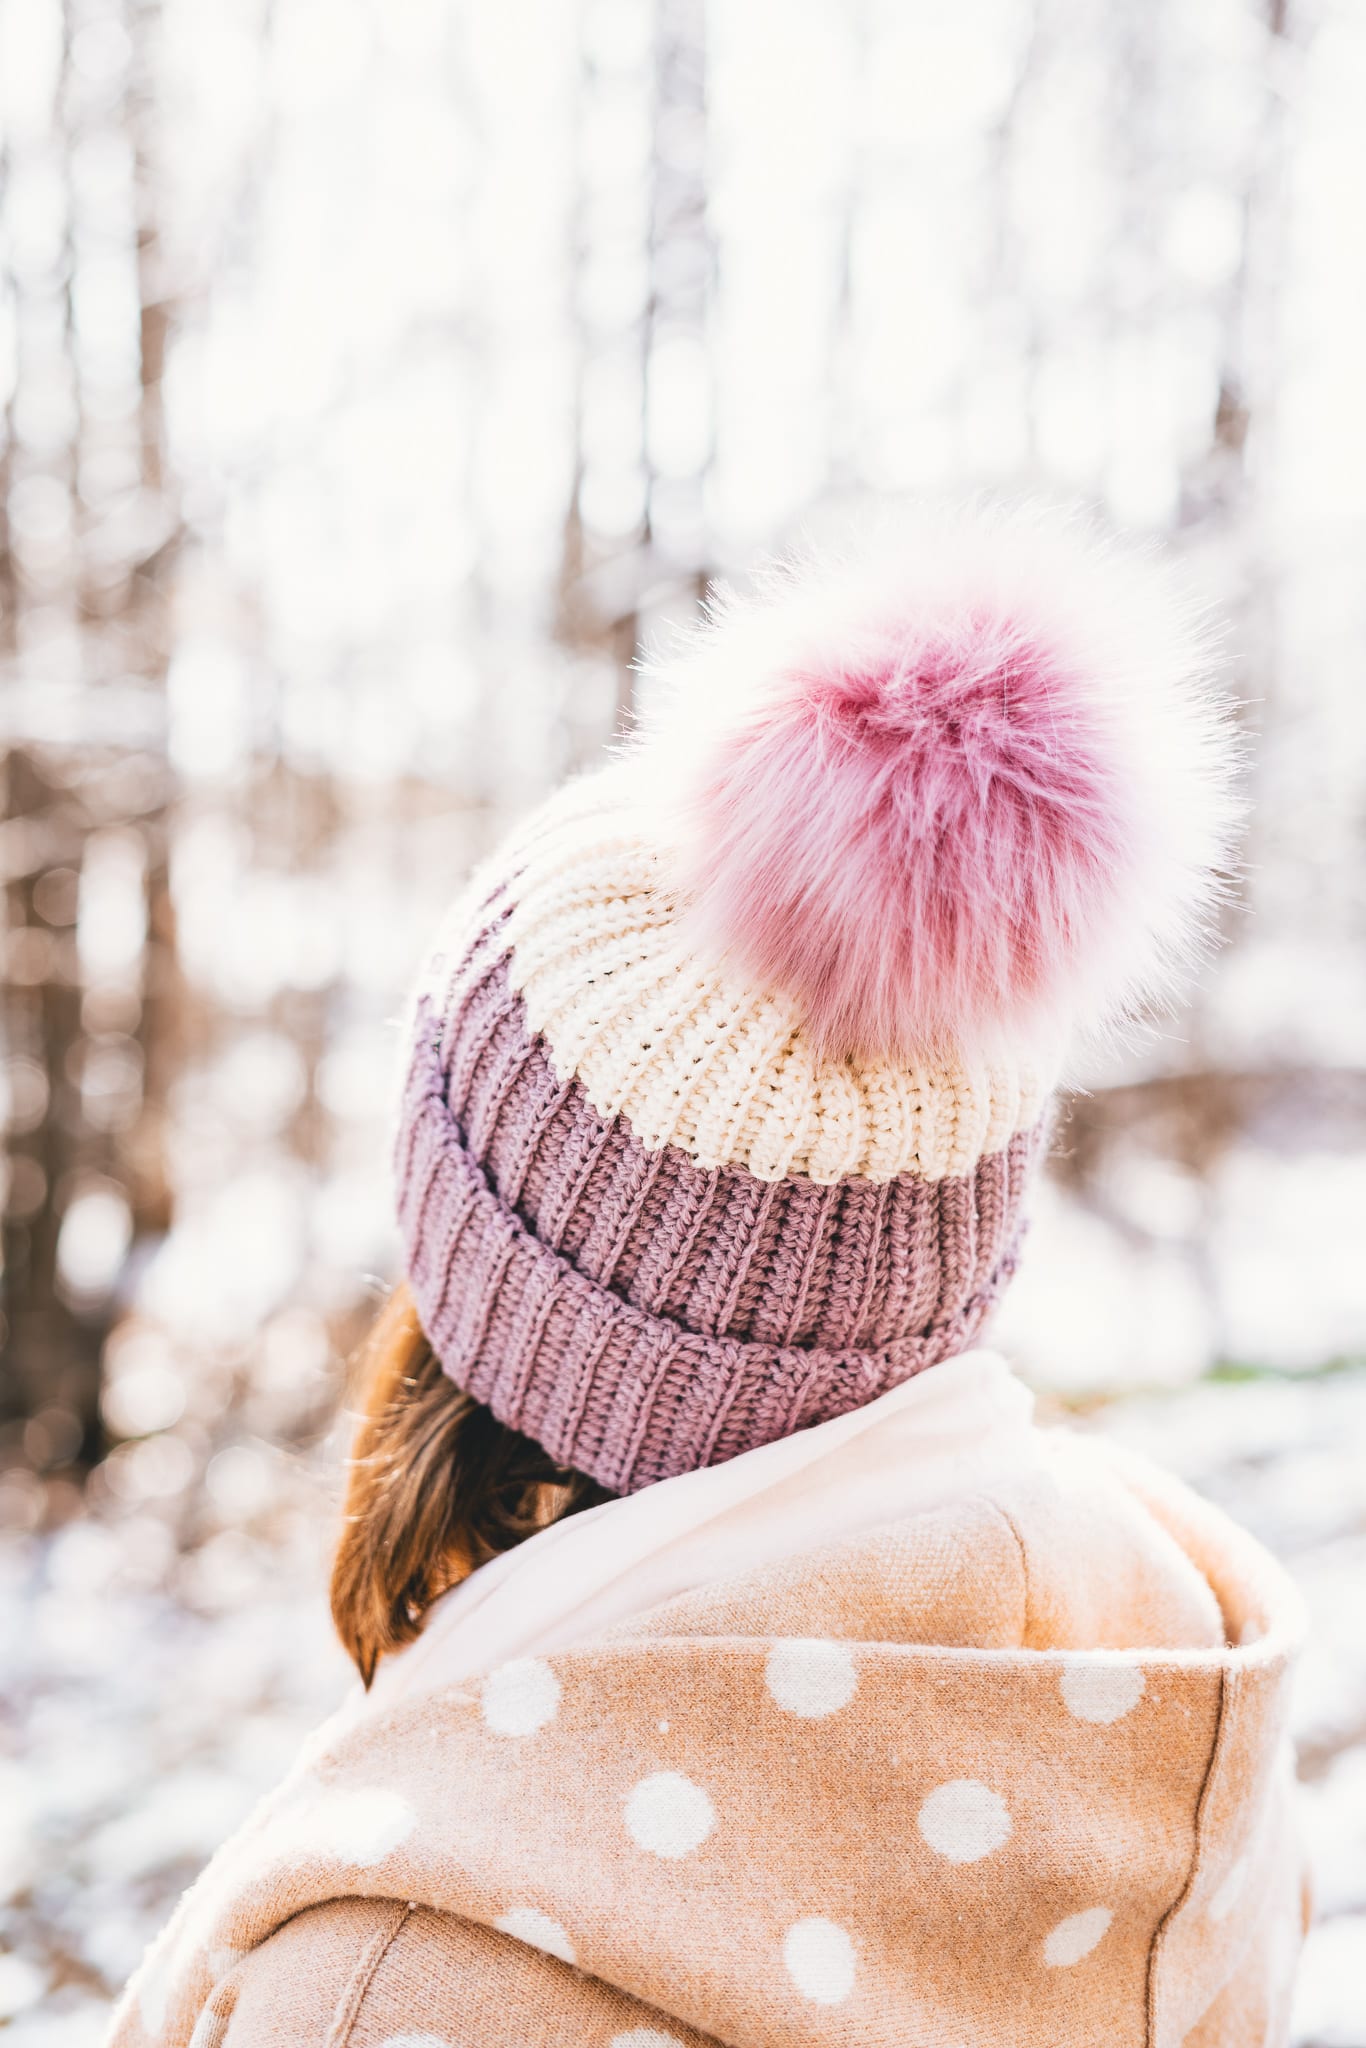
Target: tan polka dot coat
x: 1011, y: 1774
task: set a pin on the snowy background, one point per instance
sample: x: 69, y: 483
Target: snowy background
x: 375, y: 380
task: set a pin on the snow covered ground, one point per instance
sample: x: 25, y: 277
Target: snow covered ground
x: 150, y: 1695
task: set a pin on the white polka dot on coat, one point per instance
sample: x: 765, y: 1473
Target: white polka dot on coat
x: 1099, y: 1691
x: 669, y: 1815
x: 810, y: 1677
x: 1076, y: 1936
x: 359, y: 1825
x: 963, y: 1821
x: 537, y: 1930
x: 820, y: 1960
x: 521, y: 1697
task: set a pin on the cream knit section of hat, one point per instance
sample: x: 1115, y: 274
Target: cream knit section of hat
x: 679, y: 1046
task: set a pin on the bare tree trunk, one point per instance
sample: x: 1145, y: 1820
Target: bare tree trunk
x: 49, y: 1378
x: 159, y: 1028
x: 608, y: 591
x: 60, y: 1018
x: 49, y: 1374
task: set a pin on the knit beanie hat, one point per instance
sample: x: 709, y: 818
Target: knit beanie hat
x: 728, y: 1074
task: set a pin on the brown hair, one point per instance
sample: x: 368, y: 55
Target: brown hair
x: 436, y: 1487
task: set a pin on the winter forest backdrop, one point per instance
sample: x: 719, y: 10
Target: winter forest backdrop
x: 375, y: 380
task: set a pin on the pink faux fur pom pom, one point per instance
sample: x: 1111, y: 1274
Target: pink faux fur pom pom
x: 966, y: 785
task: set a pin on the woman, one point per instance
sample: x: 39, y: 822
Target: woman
x: 741, y: 1664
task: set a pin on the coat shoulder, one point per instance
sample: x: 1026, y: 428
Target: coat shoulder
x: 308, y: 1981
x: 358, y: 1973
